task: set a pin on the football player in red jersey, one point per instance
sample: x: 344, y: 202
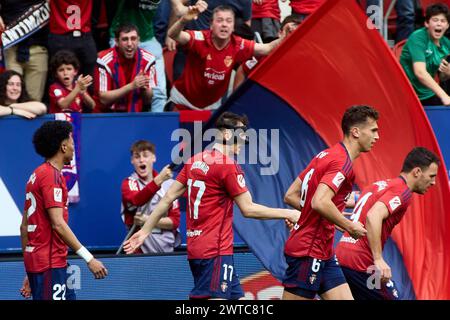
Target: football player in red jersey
x: 213, y: 181
x: 380, y: 208
x: 319, y: 192
x: 44, y: 231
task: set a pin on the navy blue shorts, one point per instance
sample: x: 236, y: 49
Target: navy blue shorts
x: 363, y: 286
x: 50, y: 285
x: 215, y: 278
x: 307, y: 276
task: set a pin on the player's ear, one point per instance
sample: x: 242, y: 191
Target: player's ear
x: 416, y: 172
x: 354, y: 131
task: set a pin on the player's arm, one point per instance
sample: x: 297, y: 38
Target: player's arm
x: 24, y: 231
x: 323, y: 204
x: 420, y: 71
x: 374, y: 223
x: 69, y: 238
x: 176, y: 30
x: 172, y: 221
x: 174, y: 192
x: 292, y: 196
x: 263, y: 49
x: 253, y: 210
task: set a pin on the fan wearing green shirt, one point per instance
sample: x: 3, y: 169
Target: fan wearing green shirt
x: 423, y: 56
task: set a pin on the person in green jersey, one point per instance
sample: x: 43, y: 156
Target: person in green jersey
x: 423, y: 56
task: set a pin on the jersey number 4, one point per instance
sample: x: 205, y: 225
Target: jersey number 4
x: 201, y: 190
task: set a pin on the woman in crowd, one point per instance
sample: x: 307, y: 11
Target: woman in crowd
x: 14, y: 99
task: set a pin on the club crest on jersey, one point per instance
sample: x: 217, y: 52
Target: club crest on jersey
x: 312, y: 278
x: 57, y: 92
x: 228, y: 61
x: 395, y: 202
x: 338, y: 179
x: 241, y: 180
x: 132, y: 184
x: 208, y: 57
x: 57, y: 194
x: 224, y: 286
x: 381, y: 185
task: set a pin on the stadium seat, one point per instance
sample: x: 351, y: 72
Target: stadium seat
x: 397, y: 49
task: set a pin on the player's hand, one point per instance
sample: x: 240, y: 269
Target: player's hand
x: 139, y: 219
x: 97, y: 268
x: 292, y: 216
x: 350, y: 202
x: 356, y: 230
x: 385, y: 270
x: 195, y: 10
x: 135, y: 241
x: 141, y: 81
x: 25, y: 291
x: 165, y: 174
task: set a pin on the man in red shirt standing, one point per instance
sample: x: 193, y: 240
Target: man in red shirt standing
x: 125, y: 74
x: 212, y: 55
x: 319, y: 193
x: 380, y: 208
x: 213, y: 181
x: 44, y: 231
x: 70, y: 29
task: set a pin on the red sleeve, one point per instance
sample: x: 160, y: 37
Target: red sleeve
x: 52, y: 191
x: 246, y: 49
x: 234, y: 181
x: 392, y: 200
x: 174, y: 214
x: 101, y: 81
x: 335, y: 176
x: 55, y: 93
x: 182, y: 176
x: 132, y: 195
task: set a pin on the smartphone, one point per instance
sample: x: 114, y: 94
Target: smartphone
x: 447, y: 58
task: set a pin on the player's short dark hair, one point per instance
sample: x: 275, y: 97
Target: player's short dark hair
x: 419, y: 157
x: 125, y: 28
x: 291, y: 18
x: 222, y: 7
x: 228, y: 120
x: 48, y: 138
x: 63, y: 57
x: 435, y: 9
x: 142, y: 145
x: 355, y: 115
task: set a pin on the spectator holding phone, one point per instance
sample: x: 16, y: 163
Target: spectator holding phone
x: 424, y: 54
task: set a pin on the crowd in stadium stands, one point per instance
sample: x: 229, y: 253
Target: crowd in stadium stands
x: 113, y: 59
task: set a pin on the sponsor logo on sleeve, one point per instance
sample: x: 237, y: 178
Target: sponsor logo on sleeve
x: 241, y: 180
x: 57, y: 194
x: 395, y: 202
x: 198, y: 35
x: 338, y: 179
